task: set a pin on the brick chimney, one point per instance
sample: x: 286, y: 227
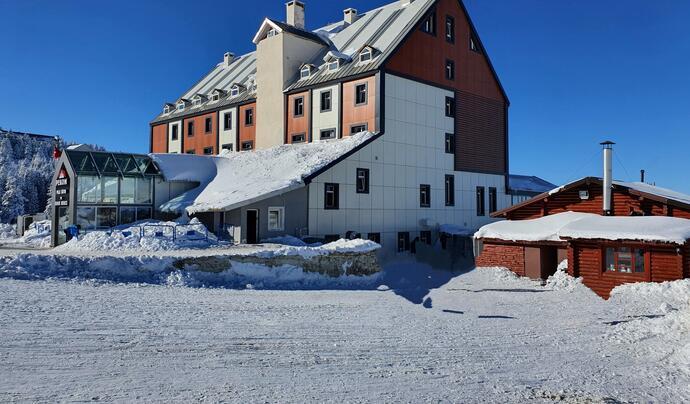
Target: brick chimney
x: 350, y: 15
x: 228, y: 58
x: 295, y: 14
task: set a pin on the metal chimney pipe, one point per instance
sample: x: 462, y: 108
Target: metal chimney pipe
x: 608, y: 177
x: 642, y: 173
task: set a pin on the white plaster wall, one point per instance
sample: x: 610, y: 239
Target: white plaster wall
x: 228, y: 136
x: 175, y: 146
x: 410, y: 153
x: 325, y: 120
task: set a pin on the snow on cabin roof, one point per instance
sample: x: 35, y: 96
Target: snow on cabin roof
x: 545, y: 228
x: 660, y: 229
x: 656, y: 191
x: 234, y: 180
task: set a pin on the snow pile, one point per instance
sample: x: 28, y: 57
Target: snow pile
x: 233, y: 180
x: 339, y: 246
x: 562, y: 281
x: 455, y: 230
x: 290, y: 241
x: 37, y: 236
x: 7, y: 231
x: 545, y: 228
x: 639, y: 228
x: 129, y: 238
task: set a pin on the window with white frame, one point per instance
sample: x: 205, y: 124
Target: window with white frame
x: 271, y: 33
x: 365, y: 55
x: 180, y: 106
x: 334, y: 65
x: 305, y: 72
x: 215, y: 97
x: 235, y: 91
x: 276, y: 218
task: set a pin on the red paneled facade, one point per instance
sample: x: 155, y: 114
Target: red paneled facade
x: 159, y: 138
x: 358, y: 114
x: 204, y: 139
x: 298, y: 122
x: 247, y: 126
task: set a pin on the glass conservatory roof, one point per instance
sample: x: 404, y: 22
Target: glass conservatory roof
x: 105, y: 163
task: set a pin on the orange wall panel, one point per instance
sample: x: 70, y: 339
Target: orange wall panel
x: 359, y: 114
x: 247, y: 132
x: 300, y: 124
x: 159, y: 141
x: 201, y: 139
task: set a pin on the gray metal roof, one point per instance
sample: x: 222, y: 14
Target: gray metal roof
x: 382, y: 28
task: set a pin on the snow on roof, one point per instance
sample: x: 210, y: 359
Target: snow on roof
x: 631, y: 228
x: 233, y: 180
x: 654, y: 190
x: 545, y: 228
x: 528, y: 183
x: 455, y: 230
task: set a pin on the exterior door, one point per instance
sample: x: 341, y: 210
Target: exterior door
x: 252, y: 227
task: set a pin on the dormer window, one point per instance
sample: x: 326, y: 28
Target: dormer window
x: 167, y: 108
x: 365, y: 55
x: 305, y: 72
x: 271, y: 33
x: 180, y: 106
x: 236, y: 89
x: 215, y: 97
x: 196, y: 102
x: 334, y: 65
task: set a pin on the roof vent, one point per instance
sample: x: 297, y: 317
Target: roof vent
x: 295, y: 14
x: 350, y: 15
x: 228, y: 58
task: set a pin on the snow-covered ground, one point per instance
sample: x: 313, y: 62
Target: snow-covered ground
x: 37, y: 236
x: 413, y: 335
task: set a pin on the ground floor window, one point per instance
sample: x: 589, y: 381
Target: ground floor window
x: 624, y: 260
x: 425, y: 237
x: 248, y: 145
x: 375, y: 237
x: 276, y: 219
x: 131, y: 214
x: 403, y: 241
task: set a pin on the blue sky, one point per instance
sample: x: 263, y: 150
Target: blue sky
x: 577, y: 72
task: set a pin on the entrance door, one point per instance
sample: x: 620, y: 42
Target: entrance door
x: 252, y: 227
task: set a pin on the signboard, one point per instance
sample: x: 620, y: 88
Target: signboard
x: 62, y: 188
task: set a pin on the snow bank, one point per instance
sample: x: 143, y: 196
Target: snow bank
x: 37, y: 236
x: 546, y: 228
x: 235, y: 179
x: 455, y: 230
x: 339, y: 246
x: 562, y: 281
x: 7, y: 231
x: 638, y: 228
x: 290, y: 241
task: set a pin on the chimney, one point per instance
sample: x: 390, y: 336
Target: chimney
x: 350, y: 16
x: 642, y: 172
x: 295, y: 14
x: 608, y: 177
x: 228, y: 58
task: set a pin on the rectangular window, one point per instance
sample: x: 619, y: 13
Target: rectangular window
x: 136, y: 190
x: 450, y: 190
x: 128, y: 215
x: 481, y: 210
x: 328, y: 134
x: 361, y: 94
x: 331, y: 196
x: 143, y: 213
x: 208, y: 151
x: 109, y: 189
x: 425, y: 196
x: 86, y: 218
x: 249, y: 117
x: 106, y: 217
x: 227, y: 121
x: 276, y: 219
x: 425, y: 237
x: 326, y: 103
x: 228, y: 146
x: 298, y: 138
x: 190, y: 128
x: 174, y: 132
x: 208, y: 125
x: 493, y: 200
x: 354, y: 129
x: 474, y: 44
x: 144, y: 191
x: 89, y: 189
x: 362, y: 181
x: 450, y: 143
x: 450, y: 29
x: 450, y: 69
x: 375, y: 237
x: 403, y: 241
x: 625, y: 260
x: 450, y: 107
x: 299, y: 107
x: 191, y: 151
x: 248, y: 145
x: 429, y: 24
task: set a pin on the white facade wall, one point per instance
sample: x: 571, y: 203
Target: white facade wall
x: 329, y: 119
x: 228, y: 136
x: 410, y: 153
x: 175, y: 146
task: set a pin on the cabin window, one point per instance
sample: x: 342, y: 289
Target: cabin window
x: 190, y: 128
x: 425, y: 196
x: 481, y: 201
x: 298, y: 107
x: 227, y: 121
x: 450, y: 107
x: 450, y: 143
x: 208, y: 125
x: 624, y: 260
x: 276, y: 218
x: 326, y: 101
x: 362, y: 181
x: 331, y: 196
x: 474, y: 44
x: 429, y: 24
x: 174, y: 134
x: 403, y: 241
x: 228, y: 146
x: 208, y: 151
x: 450, y: 190
x: 493, y: 200
x: 361, y: 94
x: 334, y: 65
x: 365, y: 55
x: 298, y: 138
x: 450, y: 70
x: 358, y: 129
x: 249, y: 117
x: 305, y: 72
x: 375, y: 237
x: 327, y: 134
x: 248, y: 145
x: 450, y: 29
